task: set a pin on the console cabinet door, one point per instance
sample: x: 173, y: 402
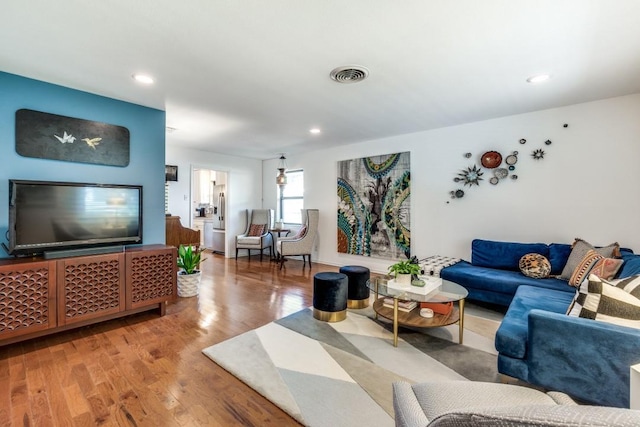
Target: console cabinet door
x: 151, y: 277
x: 27, y: 298
x: 89, y: 287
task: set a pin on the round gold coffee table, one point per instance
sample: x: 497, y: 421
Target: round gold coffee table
x: 447, y: 292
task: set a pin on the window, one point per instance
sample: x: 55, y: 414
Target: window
x: 291, y: 199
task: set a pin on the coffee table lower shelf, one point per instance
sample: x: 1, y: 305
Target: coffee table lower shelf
x: 413, y: 318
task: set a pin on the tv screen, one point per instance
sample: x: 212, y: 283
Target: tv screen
x: 49, y: 216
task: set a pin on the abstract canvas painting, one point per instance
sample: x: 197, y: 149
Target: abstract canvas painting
x: 374, y: 206
x: 50, y: 136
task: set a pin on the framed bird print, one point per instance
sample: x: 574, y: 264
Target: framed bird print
x: 50, y: 136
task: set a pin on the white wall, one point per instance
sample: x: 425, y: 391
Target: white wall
x: 244, y: 189
x: 586, y: 185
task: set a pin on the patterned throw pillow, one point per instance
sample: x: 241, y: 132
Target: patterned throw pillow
x: 584, y: 267
x: 580, y: 249
x: 256, y: 230
x: 301, y: 232
x: 535, y: 266
x: 606, y: 268
x: 615, y: 301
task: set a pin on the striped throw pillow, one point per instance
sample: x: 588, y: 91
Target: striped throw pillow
x: 579, y: 250
x: 615, y: 301
x: 584, y: 267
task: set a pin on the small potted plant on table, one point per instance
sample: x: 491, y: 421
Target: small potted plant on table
x: 403, y: 271
x: 189, y: 276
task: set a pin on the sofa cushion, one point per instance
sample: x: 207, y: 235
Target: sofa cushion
x: 580, y: 249
x: 503, y: 255
x: 249, y: 240
x: 535, y: 266
x: 616, y: 301
x: 558, y: 256
x: 503, y: 282
x: 512, y: 335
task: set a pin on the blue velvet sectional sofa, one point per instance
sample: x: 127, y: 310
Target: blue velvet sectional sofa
x: 537, y: 342
x: 493, y: 275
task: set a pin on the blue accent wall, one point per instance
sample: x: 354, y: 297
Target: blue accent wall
x: 147, y: 146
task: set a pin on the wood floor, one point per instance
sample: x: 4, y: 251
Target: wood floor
x: 146, y: 370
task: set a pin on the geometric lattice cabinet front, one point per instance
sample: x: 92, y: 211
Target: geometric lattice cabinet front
x: 27, y: 298
x: 147, y: 274
x: 92, y: 286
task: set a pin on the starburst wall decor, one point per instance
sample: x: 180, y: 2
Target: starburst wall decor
x: 492, y: 161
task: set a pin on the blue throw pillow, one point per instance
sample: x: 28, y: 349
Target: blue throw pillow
x: 631, y: 265
x: 558, y: 256
x: 503, y: 255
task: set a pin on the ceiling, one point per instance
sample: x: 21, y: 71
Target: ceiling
x: 251, y: 77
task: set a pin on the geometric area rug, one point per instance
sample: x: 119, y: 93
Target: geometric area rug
x: 340, y: 374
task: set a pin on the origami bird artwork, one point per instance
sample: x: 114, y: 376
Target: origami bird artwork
x: 66, y: 138
x: 92, y: 142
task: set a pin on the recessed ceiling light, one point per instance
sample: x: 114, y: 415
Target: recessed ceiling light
x: 314, y: 130
x: 143, y: 78
x: 539, y: 78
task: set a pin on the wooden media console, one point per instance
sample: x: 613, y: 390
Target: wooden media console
x: 40, y: 297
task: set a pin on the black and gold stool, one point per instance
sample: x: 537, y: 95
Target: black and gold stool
x: 330, y: 296
x: 358, y: 294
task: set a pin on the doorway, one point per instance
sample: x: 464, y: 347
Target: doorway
x: 209, y: 196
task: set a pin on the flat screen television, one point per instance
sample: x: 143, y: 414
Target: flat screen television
x: 51, y: 216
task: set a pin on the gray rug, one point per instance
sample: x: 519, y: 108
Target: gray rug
x: 340, y: 374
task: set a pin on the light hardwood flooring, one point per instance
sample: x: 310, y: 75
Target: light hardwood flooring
x: 146, y: 370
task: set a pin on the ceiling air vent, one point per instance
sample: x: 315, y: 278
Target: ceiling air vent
x: 349, y: 74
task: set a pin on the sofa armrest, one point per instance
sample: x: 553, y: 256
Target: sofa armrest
x: 585, y: 358
x: 407, y: 409
x: 539, y: 415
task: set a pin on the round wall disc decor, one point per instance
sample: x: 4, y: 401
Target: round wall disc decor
x: 491, y: 159
x: 512, y: 159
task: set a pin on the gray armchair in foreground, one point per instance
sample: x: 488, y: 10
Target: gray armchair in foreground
x: 468, y: 403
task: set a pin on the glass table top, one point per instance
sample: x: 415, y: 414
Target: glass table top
x: 447, y: 292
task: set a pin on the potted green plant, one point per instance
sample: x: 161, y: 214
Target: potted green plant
x: 189, y: 276
x: 403, y: 271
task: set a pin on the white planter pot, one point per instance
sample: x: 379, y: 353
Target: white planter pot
x: 403, y: 280
x: 188, y: 284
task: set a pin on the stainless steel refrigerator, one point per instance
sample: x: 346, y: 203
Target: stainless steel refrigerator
x: 217, y: 232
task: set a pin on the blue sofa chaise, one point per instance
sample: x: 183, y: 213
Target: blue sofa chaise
x: 537, y: 341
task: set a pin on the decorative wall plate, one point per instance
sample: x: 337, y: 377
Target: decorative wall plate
x: 491, y: 159
x: 501, y: 173
x: 511, y: 159
x: 494, y: 180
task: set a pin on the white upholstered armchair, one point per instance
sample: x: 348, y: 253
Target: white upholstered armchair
x: 257, y: 235
x: 302, y: 243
